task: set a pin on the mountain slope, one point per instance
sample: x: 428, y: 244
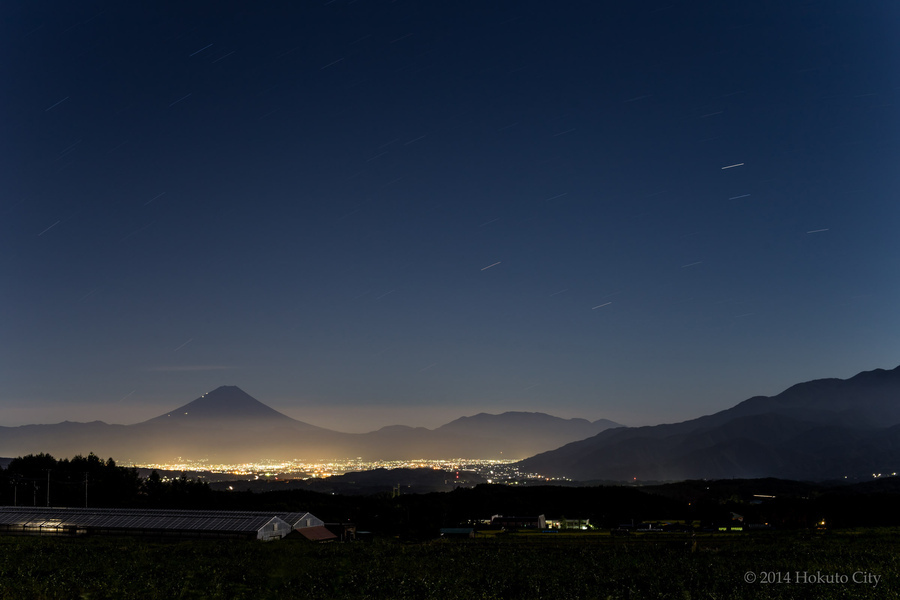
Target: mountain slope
x: 827, y: 428
x: 227, y: 404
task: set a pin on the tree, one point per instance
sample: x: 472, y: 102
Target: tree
x: 32, y: 466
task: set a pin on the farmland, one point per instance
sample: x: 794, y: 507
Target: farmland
x: 857, y: 563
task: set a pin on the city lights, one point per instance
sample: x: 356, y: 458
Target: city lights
x: 497, y: 470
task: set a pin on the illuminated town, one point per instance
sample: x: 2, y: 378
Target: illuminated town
x: 493, y: 470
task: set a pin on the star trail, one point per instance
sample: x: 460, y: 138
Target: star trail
x: 367, y: 213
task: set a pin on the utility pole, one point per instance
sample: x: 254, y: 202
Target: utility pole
x: 48, y: 488
x: 85, y: 489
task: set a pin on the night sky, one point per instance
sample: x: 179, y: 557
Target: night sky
x: 374, y: 212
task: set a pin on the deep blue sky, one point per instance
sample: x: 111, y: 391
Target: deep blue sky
x: 305, y: 202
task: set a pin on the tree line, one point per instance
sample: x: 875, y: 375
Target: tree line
x: 89, y: 481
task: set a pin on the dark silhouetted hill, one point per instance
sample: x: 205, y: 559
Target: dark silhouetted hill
x: 819, y: 430
x: 227, y: 405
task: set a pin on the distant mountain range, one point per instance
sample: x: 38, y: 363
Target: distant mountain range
x: 229, y: 425
x: 819, y: 430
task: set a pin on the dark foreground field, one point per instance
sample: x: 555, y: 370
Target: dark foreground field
x: 537, y: 566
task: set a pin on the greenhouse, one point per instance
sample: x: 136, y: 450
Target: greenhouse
x: 301, y: 520
x: 151, y: 522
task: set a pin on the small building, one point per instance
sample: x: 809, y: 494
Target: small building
x: 515, y: 523
x: 19, y: 520
x: 563, y: 523
x: 317, y: 533
x: 345, y: 532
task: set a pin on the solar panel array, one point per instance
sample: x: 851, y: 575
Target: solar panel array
x: 155, y: 519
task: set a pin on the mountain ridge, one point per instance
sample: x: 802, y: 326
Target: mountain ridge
x: 818, y: 429
x: 229, y: 425
x: 225, y: 403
